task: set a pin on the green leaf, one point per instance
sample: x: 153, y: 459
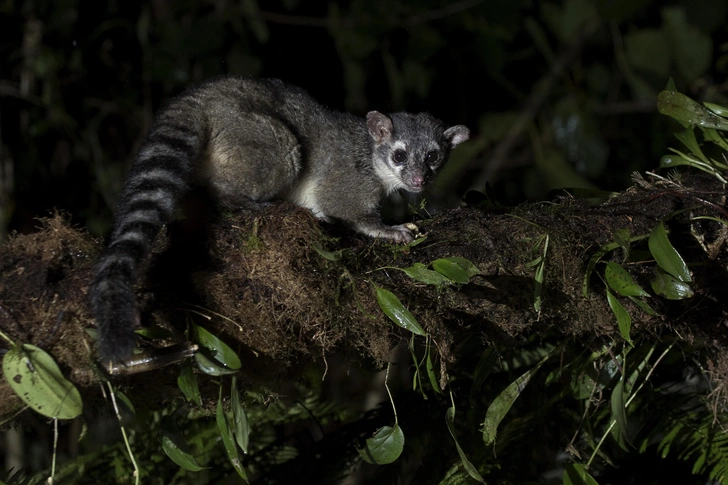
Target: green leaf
x: 465, y: 264
x: 187, y: 382
x: 619, y: 412
x: 384, y: 447
x: 240, y: 420
x: 227, y: 439
x: 599, y: 254
x: 622, y: 282
x: 665, y: 254
x: 330, y: 255
x: 393, y: 308
x: 154, y: 332
x: 644, y: 306
x: 671, y: 161
x: 123, y: 398
x: 688, y: 139
x: 576, y: 474
x: 538, y: 285
x: 215, y: 349
x: 450, y: 421
x: 431, y: 373
x: 622, y: 237
x: 670, y: 287
x: 419, y: 272
x: 451, y: 270
x: 210, y: 367
x: 687, y: 111
x: 623, y: 319
x: 502, y: 404
x: 37, y: 380
x: 717, y: 109
x: 714, y: 136
x: 179, y: 453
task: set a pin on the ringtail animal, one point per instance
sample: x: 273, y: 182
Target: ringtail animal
x: 244, y: 140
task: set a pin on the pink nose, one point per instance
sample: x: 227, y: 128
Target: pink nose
x: 418, y: 180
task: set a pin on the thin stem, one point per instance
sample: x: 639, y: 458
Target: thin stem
x: 55, y: 451
x: 123, y: 433
x: 386, y: 378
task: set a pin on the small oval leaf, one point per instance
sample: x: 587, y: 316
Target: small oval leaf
x: 36, y: 379
x: 384, y: 447
x: 393, y: 308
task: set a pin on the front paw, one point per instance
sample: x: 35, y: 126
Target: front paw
x: 401, y: 234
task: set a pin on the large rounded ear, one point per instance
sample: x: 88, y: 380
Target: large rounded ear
x: 457, y: 134
x: 380, y: 126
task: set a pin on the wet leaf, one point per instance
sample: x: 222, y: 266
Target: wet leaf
x: 36, y: 379
x: 665, y: 254
x: 216, y: 349
x: 393, y: 308
x: 384, y: 447
x: 717, y: 109
x: 210, y: 367
x: 687, y: 111
x: 670, y: 287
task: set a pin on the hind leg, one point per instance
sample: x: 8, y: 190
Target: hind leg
x: 255, y: 157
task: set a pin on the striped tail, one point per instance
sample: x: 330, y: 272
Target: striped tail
x: 157, y: 181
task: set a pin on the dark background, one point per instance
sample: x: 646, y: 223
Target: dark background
x: 574, y: 82
x: 80, y: 82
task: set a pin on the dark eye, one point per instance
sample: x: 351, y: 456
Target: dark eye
x: 399, y: 157
x: 431, y: 157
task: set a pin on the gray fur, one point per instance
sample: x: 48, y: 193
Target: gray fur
x: 244, y: 139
